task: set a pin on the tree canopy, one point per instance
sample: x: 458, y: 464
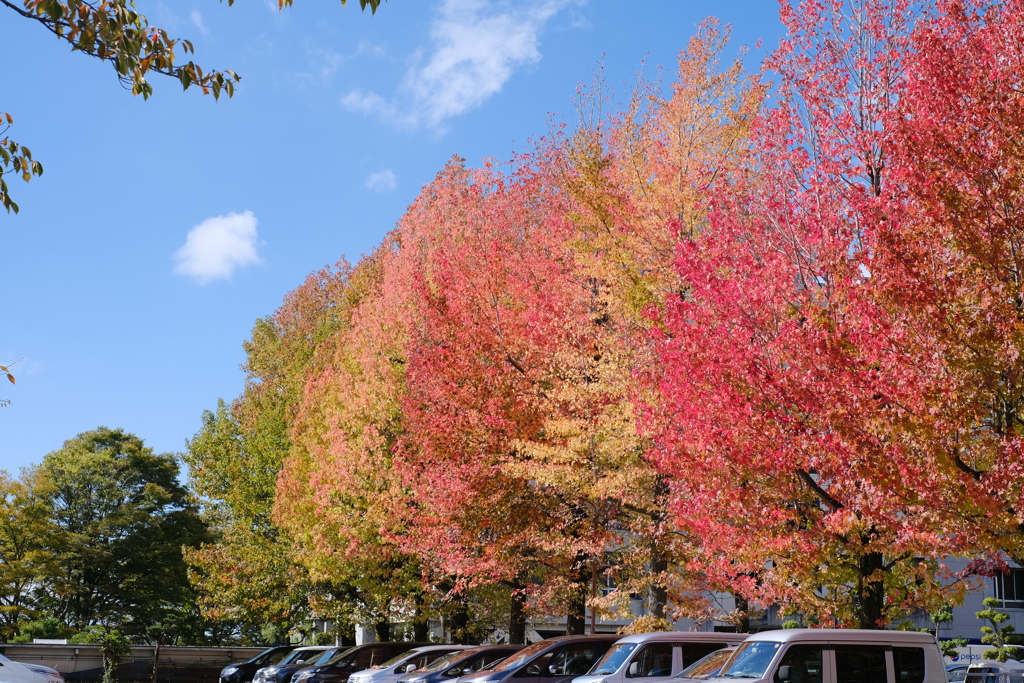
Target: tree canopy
x: 121, y: 518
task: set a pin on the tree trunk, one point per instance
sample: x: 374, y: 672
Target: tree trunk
x: 517, y: 617
x: 743, y: 609
x: 460, y: 624
x: 657, y: 595
x: 576, y: 619
x: 156, y: 658
x: 870, y: 593
x: 420, y: 628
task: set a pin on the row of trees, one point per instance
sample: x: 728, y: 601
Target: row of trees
x: 755, y: 333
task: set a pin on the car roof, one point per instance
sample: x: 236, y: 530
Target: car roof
x: 843, y: 634
x: 596, y: 636
x: 679, y: 636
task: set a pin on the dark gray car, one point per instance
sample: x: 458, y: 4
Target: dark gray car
x: 555, y: 660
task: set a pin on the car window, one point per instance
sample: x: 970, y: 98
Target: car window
x: 751, y: 660
x: 431, y: 657
x: 294, y: 656
x: 444, y: 662
x: 803, y: 664
x: 489, y: 659
x: 708, y: 666
x: 860, y: 663
x: 276, y: 657
x: 327, y: 656
x: 654, y: 659
x: 909, y: 664
x: 538, y: 667
x: 523, y: 656
x: 579, y: 658
x: 614, y: 658
x: 694, y: 651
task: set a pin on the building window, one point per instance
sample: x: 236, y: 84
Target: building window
x: 1009, y: 588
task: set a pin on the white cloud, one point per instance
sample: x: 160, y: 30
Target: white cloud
x: 476, y: 46
x: 197, y: 21
x: 381, y: 181
x: 217, y: 246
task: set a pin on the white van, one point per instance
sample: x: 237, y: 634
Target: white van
x: 655, y: 657
x: 16, y: 672
x: 824, y: 655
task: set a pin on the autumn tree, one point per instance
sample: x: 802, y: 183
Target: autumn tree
x: 250, y: 571
x: 946, y: 273
x: 338, y: 495
x: 796, y: 380
x: 639, y: 180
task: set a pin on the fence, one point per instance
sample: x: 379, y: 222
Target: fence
x: 84, y: 664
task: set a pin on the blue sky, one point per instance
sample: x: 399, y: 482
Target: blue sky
x: 161, y: 230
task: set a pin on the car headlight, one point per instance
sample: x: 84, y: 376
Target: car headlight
x: 303, y: 675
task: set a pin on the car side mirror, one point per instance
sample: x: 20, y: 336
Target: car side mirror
x: 634, y: 667
x: 554, y: 670
x: 783, y: 674
x: 410, y: 667
x: 454, y: 671
x: 533, y: 670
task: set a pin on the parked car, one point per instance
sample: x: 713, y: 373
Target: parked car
x: 995, y: 672
x: 339, y: 668
x: 16, y: 672
x: 460, y: 663
x: 555, y: 660
x: 243, y: 672
x: 44, y: 670
x: 294, y: 659
x: 707, y: 666
x: 656, y: 657
x: 816, y: 655
x: 391, y: 670
x: 286, y: 672
x: 955, y: 673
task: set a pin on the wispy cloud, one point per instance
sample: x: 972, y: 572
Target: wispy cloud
x: 476, y: 46
x: 215, y: 248
x: 381, y: 181
x: 196, y: 18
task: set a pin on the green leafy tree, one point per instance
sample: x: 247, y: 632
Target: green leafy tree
x: 26, y: 535
x: 997, y: 634
x: 123, y: 516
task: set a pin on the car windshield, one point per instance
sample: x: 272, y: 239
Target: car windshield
x: 707, y: 666
x: 329, y: 655
x: 397, y: 659
x: 613, y: 659
x: 448, y: 660
x: 338, y: 656
x: 751, y: 660
x: 522, y: 656
x: 268, y: 657
x: 294, y: 656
